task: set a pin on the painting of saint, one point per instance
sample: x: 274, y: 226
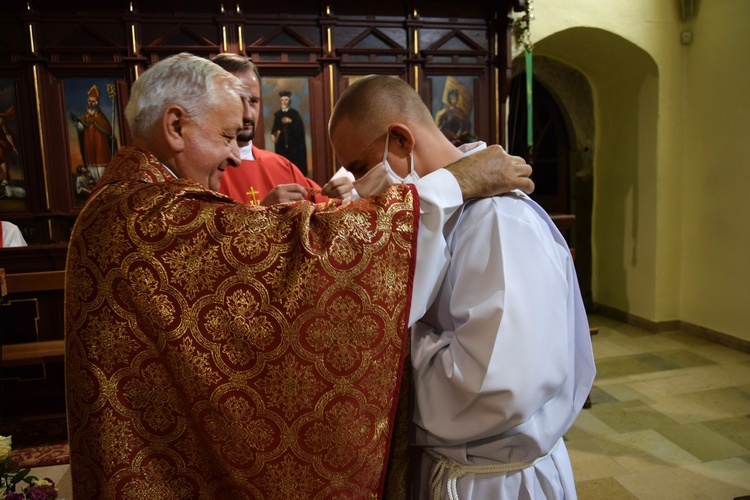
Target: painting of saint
x: 454, y: 111
x: 93, y: 129
x: 289, y: 120
x: 12, y: 176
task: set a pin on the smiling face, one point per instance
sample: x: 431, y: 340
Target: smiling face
x: 210, y: 141
x: 251, y: 105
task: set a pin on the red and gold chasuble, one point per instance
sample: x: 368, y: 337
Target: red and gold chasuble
x: 218, y: 350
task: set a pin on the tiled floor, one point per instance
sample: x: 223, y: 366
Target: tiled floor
x: 670, y: 420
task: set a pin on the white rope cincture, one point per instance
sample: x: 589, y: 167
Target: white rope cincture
x: 454, y: 471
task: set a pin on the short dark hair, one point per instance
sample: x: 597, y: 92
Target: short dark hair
x: 235, y: 63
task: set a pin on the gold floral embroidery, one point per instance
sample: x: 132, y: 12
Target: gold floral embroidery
x: 290, y: 387
x: 238, y: 431
x: 253, y: 239
x: 343, y: 333
x: 152, y: 393
x: 404, y: 223
x: 195, y: 455
x: 157, y: 308
x: 182, y: 213
x: 355, y: 227
x: 107, y: 243
x: 239, y: 327
x: 372, y: 459
x: 249, y: 244
x: 195, y: 264
x: 114, y: 440
x: 195, y: 372
x: 81, y: 290
x: 295, y: 282
x: 148, y: 198
x: 289, y: 479
x: 378, y: 387
x: 151, y: 222
x: 343, y: 431
x: 386, y: 277
x: 108, y: 340
x: 159, y: 480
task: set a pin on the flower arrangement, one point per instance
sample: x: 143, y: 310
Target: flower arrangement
x: 35, y: 489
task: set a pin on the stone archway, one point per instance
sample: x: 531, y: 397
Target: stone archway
x: 562, y: 99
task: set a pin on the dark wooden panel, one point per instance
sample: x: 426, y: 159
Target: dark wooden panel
x: 324, y: 41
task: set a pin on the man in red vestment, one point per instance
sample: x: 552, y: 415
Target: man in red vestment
x: 266, y: 178
x: 219, y: 350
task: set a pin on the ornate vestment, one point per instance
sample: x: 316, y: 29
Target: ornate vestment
x: 218, y: 350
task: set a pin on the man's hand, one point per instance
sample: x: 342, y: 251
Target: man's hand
x: 490, y: 172
x: 338, y: 187
x: 284, y: 193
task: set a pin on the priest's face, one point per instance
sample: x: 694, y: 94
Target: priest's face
x: 210, y: 141
x: 251, y: 104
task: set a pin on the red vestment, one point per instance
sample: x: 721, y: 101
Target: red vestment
x: 219, y: 350
x: 97, y: 132
x: 253, y: 179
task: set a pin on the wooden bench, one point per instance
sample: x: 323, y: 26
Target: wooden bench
x: 29, y: 353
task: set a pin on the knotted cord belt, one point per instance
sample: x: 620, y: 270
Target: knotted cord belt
x: 455, y: 471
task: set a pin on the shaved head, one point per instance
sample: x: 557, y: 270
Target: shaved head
x: 375, y: 101
x: 381, y: 118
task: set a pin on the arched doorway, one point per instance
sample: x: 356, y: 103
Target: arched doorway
x: 551, y: 152
x: 563, y: 154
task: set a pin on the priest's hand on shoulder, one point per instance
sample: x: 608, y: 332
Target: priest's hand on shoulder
x: 284, y: 193
x: 491, y: 171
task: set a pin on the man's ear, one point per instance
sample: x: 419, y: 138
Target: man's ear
x: 401, y: 136
x: 173, y: 121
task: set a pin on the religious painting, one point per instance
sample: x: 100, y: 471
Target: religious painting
x: 93, y: 125
x: 349, y: 79
x: 453, y: 107
x: 286, y: 117
x: 12, y: 170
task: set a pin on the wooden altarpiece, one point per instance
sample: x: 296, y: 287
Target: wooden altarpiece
x: 53, y: 54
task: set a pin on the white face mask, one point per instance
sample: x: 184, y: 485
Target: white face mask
x: 379, y: 177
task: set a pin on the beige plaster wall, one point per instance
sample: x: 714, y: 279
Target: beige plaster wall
x: 715, y: 268
x: 670, y: 157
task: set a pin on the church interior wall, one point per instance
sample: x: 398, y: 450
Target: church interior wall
x: 716, y: 174
x: 669, y: 235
